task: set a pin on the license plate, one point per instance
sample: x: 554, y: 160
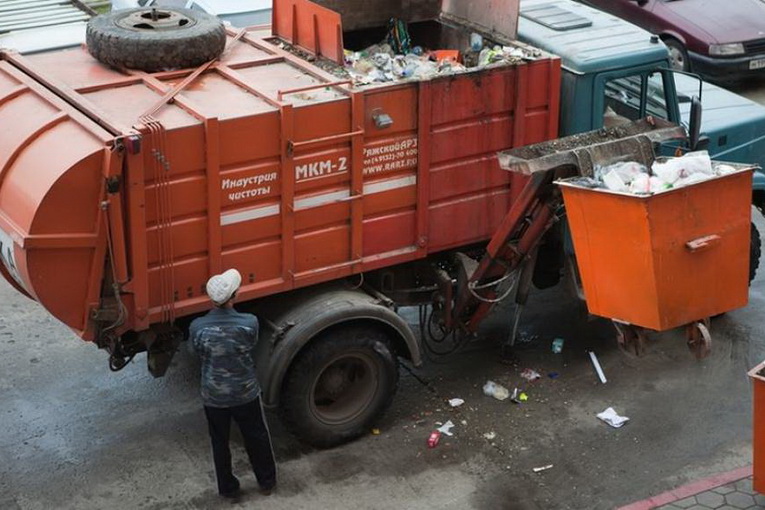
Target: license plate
x: 757, y: 64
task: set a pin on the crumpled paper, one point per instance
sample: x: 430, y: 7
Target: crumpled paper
x: 612, y: 418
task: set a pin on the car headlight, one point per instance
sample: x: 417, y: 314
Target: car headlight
x: 726, y: 49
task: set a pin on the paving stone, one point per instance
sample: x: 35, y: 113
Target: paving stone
x: 686, y: 503
x: 759, y: 499
x: 739, y: 500
x: 698, y: 507
x: 725, y: 489
x: 727, y: 507
x: 745, y: 486
x: 710, y: 499
x: 668, y: 507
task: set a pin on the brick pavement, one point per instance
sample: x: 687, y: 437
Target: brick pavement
x: 727, y: 491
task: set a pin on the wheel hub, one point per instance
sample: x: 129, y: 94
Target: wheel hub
x: 154, y: 20
x: 344, y: 389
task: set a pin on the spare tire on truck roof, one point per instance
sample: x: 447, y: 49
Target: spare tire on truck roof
x: 154, y: 39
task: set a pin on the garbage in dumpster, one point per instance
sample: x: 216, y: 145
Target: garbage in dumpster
x: 446, y: 428
x: 398, y: 36
x: 490, y: 435
x: 375, y: 432
x: 665, y: 174
x: 476, y: 42
x: 542, y: 468
x: 451, y: 56
x: 398, y: 57
x: 612, y: 418
x: 523, y: 397
x: 456, y: 402
x: 598, y: 369
x: 530, y: 375
x: 553, y: 375
x: 492, y: 389
x: 433, y: 439
x: 557, y: 345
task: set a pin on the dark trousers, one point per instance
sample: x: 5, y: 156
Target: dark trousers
x: 257, y: 442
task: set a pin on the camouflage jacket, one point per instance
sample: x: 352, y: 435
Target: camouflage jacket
x: 225, y: 341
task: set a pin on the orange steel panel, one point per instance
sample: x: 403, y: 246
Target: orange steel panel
x: 310, y: 26
x: 291, y: 190
x: 635, y: 270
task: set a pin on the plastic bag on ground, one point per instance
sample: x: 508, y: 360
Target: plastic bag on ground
x: 492, y: 389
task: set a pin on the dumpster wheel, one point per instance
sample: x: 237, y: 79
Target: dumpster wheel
x: 699, y: 338
x: 632, y: 339
x: 152, y: 39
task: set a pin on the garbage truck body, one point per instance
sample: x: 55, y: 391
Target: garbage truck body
x: 122, y: 192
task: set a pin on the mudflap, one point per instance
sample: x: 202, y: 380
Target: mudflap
x: 161, y: 347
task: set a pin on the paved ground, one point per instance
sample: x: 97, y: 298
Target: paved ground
x: 732, y: 490
x: 75, y: 435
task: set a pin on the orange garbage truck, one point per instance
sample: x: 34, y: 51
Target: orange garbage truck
x: 124, y: 187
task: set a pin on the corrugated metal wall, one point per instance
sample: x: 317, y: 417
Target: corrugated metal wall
x: 26, y: 14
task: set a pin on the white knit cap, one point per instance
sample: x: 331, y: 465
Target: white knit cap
x: 221, y: 287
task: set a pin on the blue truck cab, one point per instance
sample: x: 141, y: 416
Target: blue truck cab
x: 614, y: 71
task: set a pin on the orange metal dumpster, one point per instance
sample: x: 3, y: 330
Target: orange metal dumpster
x: 757, y: 375
x: 637, y: 259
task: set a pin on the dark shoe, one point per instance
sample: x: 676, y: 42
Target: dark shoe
x: 267, y: 491
x: 233, y: 493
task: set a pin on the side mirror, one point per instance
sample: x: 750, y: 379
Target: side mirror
x: 641, y: 3
x: 694, y: 125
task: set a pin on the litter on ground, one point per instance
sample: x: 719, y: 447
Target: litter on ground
x: 612, y: 418
x: 446, y: 428
x: 456, y: 402
x: 530, y: 375
x: 598, y: 368
x: 492, y: 389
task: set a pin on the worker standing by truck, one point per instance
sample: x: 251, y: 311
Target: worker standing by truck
x: 225, y: 340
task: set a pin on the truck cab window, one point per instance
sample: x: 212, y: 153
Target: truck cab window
x: 633, y: 97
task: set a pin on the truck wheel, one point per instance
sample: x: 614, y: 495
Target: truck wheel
x: 155, y: 39
x: 339, y: 385
x: 755, y: 250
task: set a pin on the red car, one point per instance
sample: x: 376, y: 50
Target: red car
x: 718, y: 39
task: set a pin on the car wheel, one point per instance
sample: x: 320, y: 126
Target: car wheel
x: 678, y: 55
x: 155, y: 39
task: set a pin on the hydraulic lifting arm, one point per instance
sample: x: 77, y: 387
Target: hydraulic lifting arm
x: 511, y: 253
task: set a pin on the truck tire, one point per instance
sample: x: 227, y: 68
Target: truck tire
x: 755, y: 250
x: 339, y: 385
x: 155, y: 39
